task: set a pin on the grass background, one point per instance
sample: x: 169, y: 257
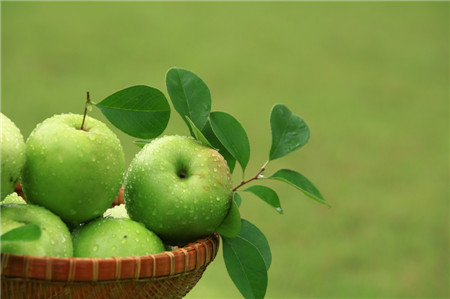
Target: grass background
x: 371, y: 80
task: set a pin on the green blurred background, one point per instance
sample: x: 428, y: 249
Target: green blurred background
x: 371, y: 80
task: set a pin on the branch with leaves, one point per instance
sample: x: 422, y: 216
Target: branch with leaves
x: 143, y: 112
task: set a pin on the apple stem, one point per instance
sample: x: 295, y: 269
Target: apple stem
x: 257, y: 176
x: 88, y: 100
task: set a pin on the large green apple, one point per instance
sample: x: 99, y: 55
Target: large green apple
x: 179, y: 188
x: 74, y: 173
x: 105, y: 237
x: 55, y: 238
x: 12, y: 150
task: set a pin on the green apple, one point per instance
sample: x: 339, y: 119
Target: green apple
x: 76, y: 173
x: 55, y: 238
x: 13, y: 198
x: 12, y: 149
x: 179, y: 188
x: 118, y: 211
x: 106, y: 237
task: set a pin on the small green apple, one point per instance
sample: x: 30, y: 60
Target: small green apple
x: 55, y: 238
x: 12, y: 150
x: 7, y: 224
x: 118, y: 211
x: 76, y: 173
x: 179, y: 188
x: 106, y: 237
x: 13, y: 198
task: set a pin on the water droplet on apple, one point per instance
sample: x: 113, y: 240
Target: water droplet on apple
x: 217, y: 198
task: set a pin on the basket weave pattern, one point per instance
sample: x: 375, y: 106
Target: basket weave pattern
x: 171, y: 274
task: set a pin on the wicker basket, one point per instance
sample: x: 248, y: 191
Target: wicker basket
x: 170, y: 274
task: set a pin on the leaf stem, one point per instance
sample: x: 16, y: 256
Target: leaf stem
x: 257, y: 176
x: 88, y: 100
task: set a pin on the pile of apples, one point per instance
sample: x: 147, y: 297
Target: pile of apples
x: 71, y: 169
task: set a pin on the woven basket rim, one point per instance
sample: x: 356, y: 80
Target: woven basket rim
x: 168, y: 263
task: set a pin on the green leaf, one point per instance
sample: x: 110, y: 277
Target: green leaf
x: 215, y: 143
x: 190, y: 96
x: 252, y: 234
x: 246, y: 267
x: 289, y: 132
x: 141, y: 143
x: 197, y: 133
x: 268, y: 195
x: 26, y: 233
x: 231, y: 226
x: 237, y: 199
x: 140, y: 111
x: 232, y: 135
x: 300, y: 182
